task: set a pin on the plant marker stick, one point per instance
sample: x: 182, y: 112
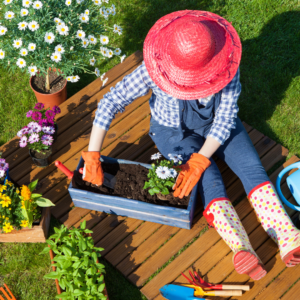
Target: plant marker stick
x: 64, y: 169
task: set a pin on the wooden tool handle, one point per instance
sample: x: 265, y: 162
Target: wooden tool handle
x: 64, y: 169
x: 228, y: 293
x: 236, y: 287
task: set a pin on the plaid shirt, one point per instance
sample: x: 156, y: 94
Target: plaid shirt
x: 165, y: 108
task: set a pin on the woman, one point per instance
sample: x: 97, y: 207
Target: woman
x: 191, y: 63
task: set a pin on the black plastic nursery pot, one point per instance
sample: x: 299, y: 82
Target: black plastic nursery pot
x: 42, y: 161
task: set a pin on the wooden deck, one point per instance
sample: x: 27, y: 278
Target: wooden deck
x: 139, y: 249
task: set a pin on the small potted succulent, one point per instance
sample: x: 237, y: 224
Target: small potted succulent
x: 52, y: 40
x: 40, y: 133
x: 4, y: 169
x: 20, y: 207
x: 76, y: 268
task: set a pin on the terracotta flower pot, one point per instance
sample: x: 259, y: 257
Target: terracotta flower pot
x: 49, y: 100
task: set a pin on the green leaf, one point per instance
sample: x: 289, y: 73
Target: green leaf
x: 156, y: 190
x: 101, y: 287
x: 169, y: 183
x: 67, y: 251
x: 33, y: 185
x: 52, y: 275
x: 34, y: 196
x: 78, y: 292
x: 43, y: 202
x: 94, y: 256
x: 165, y: 191
x: 151, y: 192
x: 83, y: 224
x: 147, y: 184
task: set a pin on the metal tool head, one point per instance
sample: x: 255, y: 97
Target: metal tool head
x: 178, y: 292
x: 109, y: 180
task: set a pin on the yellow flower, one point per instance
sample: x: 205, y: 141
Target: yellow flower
x: 3, y: 188
x: 6, y: 201
x: 18, y: 191
x: 25, y: 192
x: 24, y: 223
x: 7, y: 228
x: 8, y: 183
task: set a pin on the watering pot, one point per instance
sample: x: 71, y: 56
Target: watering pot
x: 293, y: 182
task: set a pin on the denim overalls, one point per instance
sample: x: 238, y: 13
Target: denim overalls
x: 238, y: 151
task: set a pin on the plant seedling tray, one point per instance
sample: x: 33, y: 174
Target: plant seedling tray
x: 178, y: 217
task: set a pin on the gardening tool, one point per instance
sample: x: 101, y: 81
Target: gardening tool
x: 11, y: 297
x: 109, y: 180
x: 200, y: 292
x: 178, y: 292
x: 198, y: 281
x: 293, y: 182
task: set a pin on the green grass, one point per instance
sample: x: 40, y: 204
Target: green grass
x: 270, y: 69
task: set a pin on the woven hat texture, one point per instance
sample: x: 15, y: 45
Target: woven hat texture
x: 192, y: 54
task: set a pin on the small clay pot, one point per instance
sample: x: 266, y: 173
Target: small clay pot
x: 41, y: 161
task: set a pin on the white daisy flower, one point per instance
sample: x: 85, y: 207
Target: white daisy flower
x: 117, y: 29
x: 33, y: 26
x: 60, y: 49
x: 92, y: 61
x: 104, y: 81
x: 31, y: 46
x: 112, y: 7
x: 69, y: 78
x: 112, y: 11
x: 23, y: 52
x: 80, y: 34
x: 85, y: 43
x: 173, y: 173
x: 68, y: 2
x: 92, y: 39
x: 97, y: 2
x: 75, y: 78
x: 21, y: 63
x: 97, y: 72
x: 84, y: 18
x: 2, y: 54
x: 107, y: 11
x: 63, y: 29
x: 104, y: 39
x: 26, y: 3
x: 49, y: 37
x: 175, y: 157
x: 32, y: 70
x: 106, y: 1
x: 103, y: 12
x: 71, y: 48
x: 79, y: 1
x: 123, y: 57
x: 102, y: 76
x: 9, y: 15
x: 57, y: 20
x: 117, y: 51
x: 24, y: 12
x: 156, y: 156
x: 56, y: 56
x: 3, y: 30
x: 110, y: 53
x: 37, y: 4
x: 7, y: 2
x: 22, y: 25
x: 87, y: 12
x: 17, y: 43
x: 163, y: 172
x: 104, y: 51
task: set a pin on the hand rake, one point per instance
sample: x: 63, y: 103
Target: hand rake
x: 7, y: 297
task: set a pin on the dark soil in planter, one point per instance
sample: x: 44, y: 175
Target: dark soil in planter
x: 39, y: 155
x: 57, y: 82
x: 130, y: 182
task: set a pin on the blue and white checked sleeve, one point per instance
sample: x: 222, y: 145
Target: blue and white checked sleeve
x: 129, y: 88
x: 227, y: 111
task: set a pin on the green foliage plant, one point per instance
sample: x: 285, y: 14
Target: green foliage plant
x: 163, y: 174
x: 78, y: 271
x: 58, y: 34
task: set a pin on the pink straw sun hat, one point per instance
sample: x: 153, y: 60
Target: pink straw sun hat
x: 192, y: 54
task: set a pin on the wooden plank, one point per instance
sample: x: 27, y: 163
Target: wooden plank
x: 72, y: 217
x: 131, y: 242
x: 92, y: 218
x: 293, y: 293
x: 84, y: 94
x: 136, y: 258
x: 62, y: 207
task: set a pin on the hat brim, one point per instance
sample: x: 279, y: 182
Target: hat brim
x: 189, y: 84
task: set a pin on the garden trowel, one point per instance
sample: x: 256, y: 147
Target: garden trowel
x: 178, y: 292
x: 109, y: 179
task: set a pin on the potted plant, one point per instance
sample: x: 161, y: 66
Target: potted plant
x: 74, y: 258
x: 140, y: 192
x: 21, y: 208
x: 4, y: 170
x: 52, y: 40
x: 40, y: 133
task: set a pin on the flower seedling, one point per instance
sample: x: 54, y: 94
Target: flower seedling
x: 38, y: 134
x: 163, y: 174
x: 69, y: 36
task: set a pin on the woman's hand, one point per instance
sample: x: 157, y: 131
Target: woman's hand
x: 190, y: 174
x: 92, y: 171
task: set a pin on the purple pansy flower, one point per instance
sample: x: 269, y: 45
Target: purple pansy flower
x: 20, y: 133
x: 49, y: 129
x: 34, y: 138
x: 37, y: 128
x: 56, y: 109
x: 23, y: 141
x: 36, y: 115
x: 29, y: 113
x: 47, y: 140
x: 3, y: 165
x: 31, y: 125
x: 39, y: 106
x: 50, y: 114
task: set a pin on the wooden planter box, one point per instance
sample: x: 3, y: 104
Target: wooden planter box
x: 58, y: 288
x: 37, y: 234
x: 178, y: 217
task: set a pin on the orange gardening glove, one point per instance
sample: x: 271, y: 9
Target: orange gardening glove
x: 92, y: 171
x: 190, y: 174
